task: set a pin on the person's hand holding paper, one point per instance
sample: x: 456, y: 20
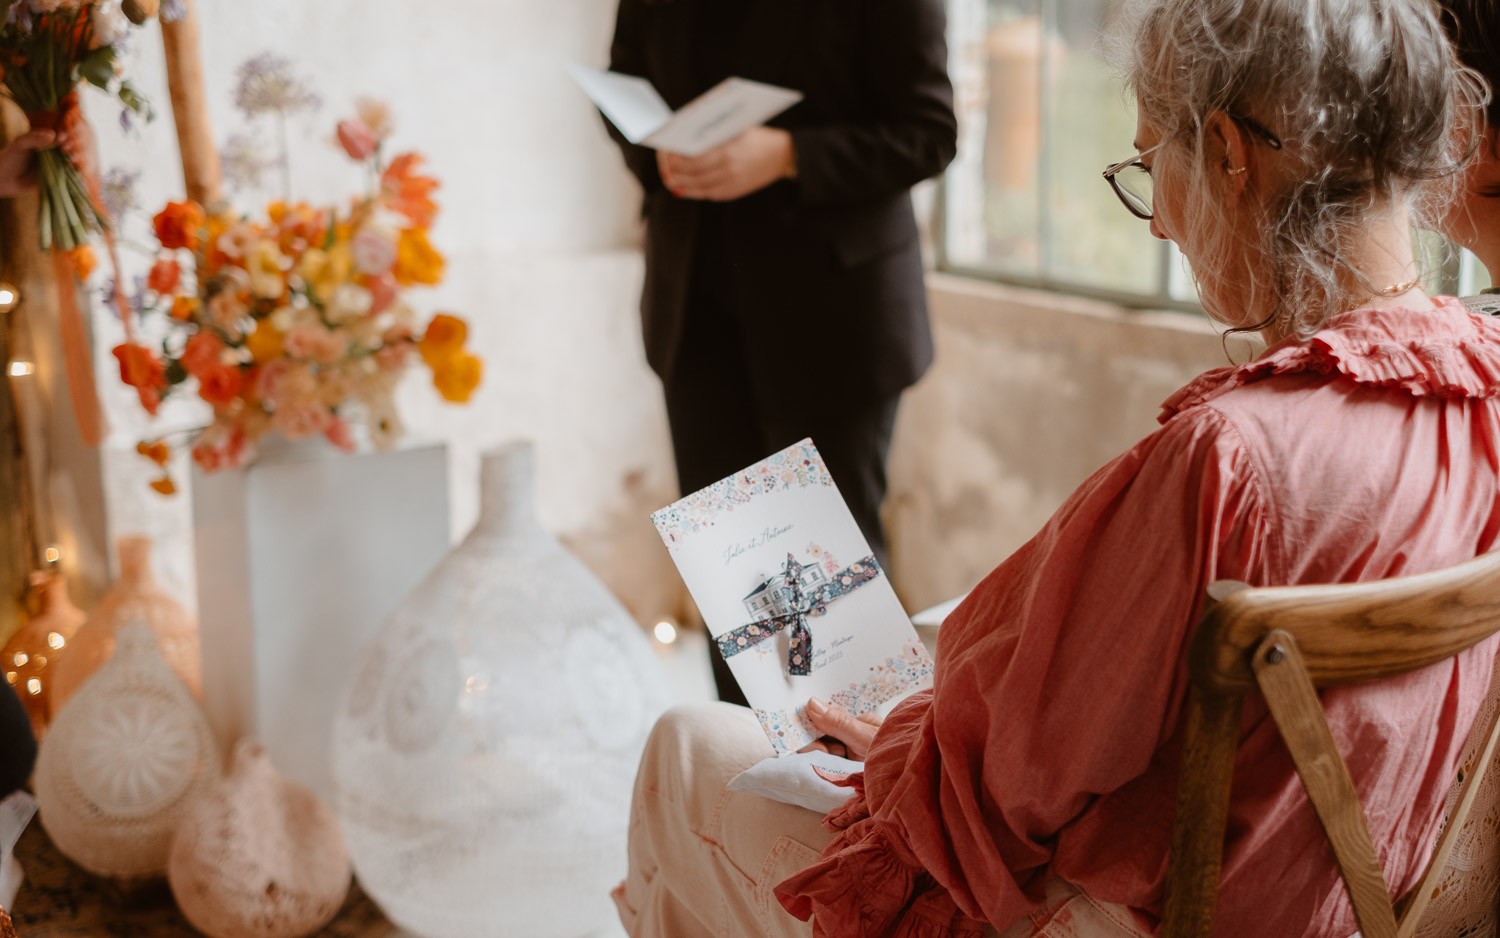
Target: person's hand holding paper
x: 748, y: 163
x: 709, y: 121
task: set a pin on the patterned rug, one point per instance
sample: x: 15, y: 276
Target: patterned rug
x: 58, y: 900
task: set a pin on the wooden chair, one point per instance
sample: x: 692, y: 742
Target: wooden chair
x: 1287, y: 642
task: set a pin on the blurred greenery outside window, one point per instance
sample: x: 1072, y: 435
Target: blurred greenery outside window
x: 1040, y: 116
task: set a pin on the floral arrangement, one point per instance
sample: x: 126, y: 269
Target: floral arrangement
x: 295, y: 321
x: 46, y: 48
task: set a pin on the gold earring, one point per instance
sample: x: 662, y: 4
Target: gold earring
x: 1235, y: 172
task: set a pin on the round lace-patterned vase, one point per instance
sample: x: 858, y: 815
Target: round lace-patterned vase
x: 135, y: 595
x: 259, y: 856
x: 123, y: 763
x: 485, y: 751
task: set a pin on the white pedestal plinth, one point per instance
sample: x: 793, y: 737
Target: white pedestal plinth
x: 301, y: 557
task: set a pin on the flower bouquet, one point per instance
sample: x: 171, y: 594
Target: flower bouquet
x: 295, y: 321
x: 46, y: 48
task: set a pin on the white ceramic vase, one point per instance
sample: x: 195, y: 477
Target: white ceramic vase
x: 485, y: 751
x: 123, y: 763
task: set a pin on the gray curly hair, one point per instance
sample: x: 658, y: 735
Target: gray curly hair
x: 1367, y: 95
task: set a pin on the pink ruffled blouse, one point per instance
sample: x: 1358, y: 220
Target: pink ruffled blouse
x: 1050, y: 743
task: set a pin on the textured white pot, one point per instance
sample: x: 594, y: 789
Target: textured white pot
x: 486, y: 748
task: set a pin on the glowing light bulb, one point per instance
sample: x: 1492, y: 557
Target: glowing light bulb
x: 52, y: 554
x: 39, y: 660
x: 21, y: 659
x: 55, y: 641
x: 665, y: 632
x: 21, y: 369
x: 33, y: 686
x: 11, y: 676
x: 9, y: 297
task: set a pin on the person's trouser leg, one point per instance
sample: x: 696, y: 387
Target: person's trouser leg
x: 704, y: 860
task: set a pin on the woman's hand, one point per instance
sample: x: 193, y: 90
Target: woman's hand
x: 844, y: 732
x: 17, y: 166
x: 755, y: 159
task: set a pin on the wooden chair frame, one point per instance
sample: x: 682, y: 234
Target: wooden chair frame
x: 1287, y: 643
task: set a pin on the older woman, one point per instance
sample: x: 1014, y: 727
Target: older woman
x: 1475, y: 219
x: 1288, y: 147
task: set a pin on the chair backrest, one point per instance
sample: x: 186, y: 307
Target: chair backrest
x: 1287, y: 642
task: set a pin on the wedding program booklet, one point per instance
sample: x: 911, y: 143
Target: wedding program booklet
x: 713, y: 118
x: 792, y: 595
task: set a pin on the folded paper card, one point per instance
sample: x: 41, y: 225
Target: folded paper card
x: 792, y: 595
x: 715, y: 117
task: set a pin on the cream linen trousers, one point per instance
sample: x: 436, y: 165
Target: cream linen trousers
x: 704, y: 860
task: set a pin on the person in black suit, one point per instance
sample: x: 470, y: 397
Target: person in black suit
x: 783, y: 295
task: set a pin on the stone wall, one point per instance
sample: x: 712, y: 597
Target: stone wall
x: 1030, y: 394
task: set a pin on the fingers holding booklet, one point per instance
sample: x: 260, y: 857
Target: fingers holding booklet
x: 793, y: 597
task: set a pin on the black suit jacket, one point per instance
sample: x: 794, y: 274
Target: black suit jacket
x: 826, y: 268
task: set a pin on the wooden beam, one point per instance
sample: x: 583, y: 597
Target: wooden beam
x: 195, y: 139
x: 21, y: 265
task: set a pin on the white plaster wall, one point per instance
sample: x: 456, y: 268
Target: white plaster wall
x: 538, y: 222
x: 1031, y: 392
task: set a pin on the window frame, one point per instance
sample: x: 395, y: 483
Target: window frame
x: 1455, y: 271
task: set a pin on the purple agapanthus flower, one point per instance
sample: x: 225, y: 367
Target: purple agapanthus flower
x: 117, y: 191
x: 268, y: 85
x: 172, y: 10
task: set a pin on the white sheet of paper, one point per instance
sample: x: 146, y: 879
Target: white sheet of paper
x: 730, y: 542
x: 630, y: 103
x: 934, y: 616
x: 713, y: 118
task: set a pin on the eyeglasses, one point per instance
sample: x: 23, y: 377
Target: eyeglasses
x: 1131, y: 179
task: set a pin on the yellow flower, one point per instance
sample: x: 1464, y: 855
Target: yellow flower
x: 325, y: 271
x: 265, y: 343
x: 457, y: 377
x: 183, y: 308
x: 417, y: 261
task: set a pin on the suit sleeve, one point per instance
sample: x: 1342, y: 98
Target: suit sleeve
x: 627, y: 56
x: 911, y: 133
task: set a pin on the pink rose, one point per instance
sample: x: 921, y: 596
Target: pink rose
x: 356, y: 139
x: 339, y: 434
x: 314, y: 343
x: 374, y: 252
x: 297, y: 420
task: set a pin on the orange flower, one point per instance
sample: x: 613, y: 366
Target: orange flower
x: 156, y: 451
x: 417, y: 261
x: 444, y: 338
x: 83, y: 260
x: 266, y: 343
x: 201, y: 354
x: 142, y: 370
x: 183, y: 308
x: 220, y: 384
x: 178, y: 225
x: 165, y: 486
x: 456, y: 378
x: 408, y: 193
x: 164, y: 276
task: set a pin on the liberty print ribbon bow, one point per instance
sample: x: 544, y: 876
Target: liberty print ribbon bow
x: 813, y: 603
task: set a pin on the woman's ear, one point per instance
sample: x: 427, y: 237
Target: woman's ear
x: 1227, y: 150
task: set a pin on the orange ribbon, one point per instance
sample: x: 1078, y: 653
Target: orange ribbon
x: 77, y: 360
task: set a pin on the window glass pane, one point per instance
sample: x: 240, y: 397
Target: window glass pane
x: 1472, y: 276
x: 1090, y: 238
x: 993, y: 201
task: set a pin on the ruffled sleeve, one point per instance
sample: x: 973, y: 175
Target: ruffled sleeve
x: 1058, y: 680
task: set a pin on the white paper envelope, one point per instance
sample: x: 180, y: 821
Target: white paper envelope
x: 713, y: 118
x: 792, y: 595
